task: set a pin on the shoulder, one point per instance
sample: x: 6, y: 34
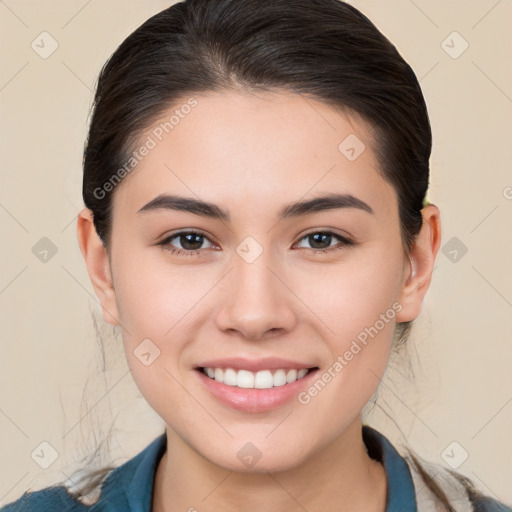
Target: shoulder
x: 127, y: 487
x: 429, y: 486
x: 459, y: 490
x: 45, y: 500
x: 487, y: 504
x: 58, y: 498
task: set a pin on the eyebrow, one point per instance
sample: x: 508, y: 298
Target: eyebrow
x: 299, y: 208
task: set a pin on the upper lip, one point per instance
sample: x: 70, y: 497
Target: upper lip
x: 255, y: 365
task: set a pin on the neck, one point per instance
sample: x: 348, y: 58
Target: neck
x: 341, y: 476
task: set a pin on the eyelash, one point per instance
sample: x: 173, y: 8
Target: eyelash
x: 166, y: 243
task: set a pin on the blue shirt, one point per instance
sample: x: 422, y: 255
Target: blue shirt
x: 129, y: 487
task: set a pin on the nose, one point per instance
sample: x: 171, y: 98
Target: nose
x: 256, y: 302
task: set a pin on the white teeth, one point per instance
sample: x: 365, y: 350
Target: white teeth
x: 263, y: 379
x: 291, y: 376
x: 279, y: 378
x: 301, y: 373
x: 230, y: 377
x: 244, y: 378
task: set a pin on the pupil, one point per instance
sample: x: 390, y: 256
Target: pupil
x: 187, y: 240
x: 321, y: 238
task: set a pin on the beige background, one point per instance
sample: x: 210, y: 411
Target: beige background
x: 458, y: 386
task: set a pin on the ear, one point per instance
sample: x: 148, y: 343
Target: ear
x: 423, y: 254
x: 98, y: 265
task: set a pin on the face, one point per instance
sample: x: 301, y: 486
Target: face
x: 249, y: 282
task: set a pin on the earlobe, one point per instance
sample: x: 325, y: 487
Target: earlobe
x: 421, y: 265
x: 98, y: 265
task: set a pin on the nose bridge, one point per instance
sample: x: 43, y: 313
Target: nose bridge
x: 256, y: 301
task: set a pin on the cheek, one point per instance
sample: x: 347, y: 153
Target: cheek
x: 152, y: 303
x: 356, y: 304
x: 354, y: 295
x: 154, y: 297
x: 158, y: 304
x: 359, y: 340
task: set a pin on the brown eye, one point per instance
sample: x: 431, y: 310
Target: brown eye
x: 185, y: 242
x: 321, y: 241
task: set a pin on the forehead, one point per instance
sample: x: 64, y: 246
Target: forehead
x: 265, y: 148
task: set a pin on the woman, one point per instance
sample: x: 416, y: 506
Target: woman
x: 256, y: 222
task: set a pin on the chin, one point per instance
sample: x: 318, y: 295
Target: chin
x: 244, y: 456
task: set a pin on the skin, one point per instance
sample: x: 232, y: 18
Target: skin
x: 251, y: 154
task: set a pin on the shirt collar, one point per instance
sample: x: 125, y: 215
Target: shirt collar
x: 400, y: 495
x: 140, y: 485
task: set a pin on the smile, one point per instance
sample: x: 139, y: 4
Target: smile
x: 264, y: 379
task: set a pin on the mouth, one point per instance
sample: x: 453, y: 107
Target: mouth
x: 255, y: 385
x: 262, y: 379
x: 259, y: 391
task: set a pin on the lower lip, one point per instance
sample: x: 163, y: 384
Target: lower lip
x: 255, y: 400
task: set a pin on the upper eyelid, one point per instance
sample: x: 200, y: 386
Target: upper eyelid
x: 325, y: 230
x: 343, y: 239
x: 205, y: 235
x: 172, y: 236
